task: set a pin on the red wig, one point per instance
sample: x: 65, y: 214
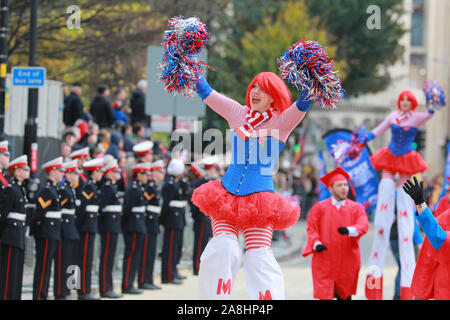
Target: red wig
x: 271, y: 84
x: 410, y: 96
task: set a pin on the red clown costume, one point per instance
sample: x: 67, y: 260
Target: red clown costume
x: 400, y: 158
x: 336, y: 257
x: 444, y: 202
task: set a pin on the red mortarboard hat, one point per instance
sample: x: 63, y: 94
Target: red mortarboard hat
x: 337, y: 174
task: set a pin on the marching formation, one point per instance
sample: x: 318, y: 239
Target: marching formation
x: 78, y: 202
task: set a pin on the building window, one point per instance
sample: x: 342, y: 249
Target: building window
x: 417, y: 24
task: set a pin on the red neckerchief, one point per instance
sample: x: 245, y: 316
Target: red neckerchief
x: 404, y: 115
x: 254, y: 119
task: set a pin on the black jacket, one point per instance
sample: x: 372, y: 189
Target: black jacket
x: 67, y: 198
x: 152, y: 208
x: 87, y: 212
x: 14, y: 229
x: 47, y: 203
x: 174, y: 204
x: 133, y: 219
x: 137, y: 105
x: 102, y: 111
x: 110, y: 213
x: 73, y: 109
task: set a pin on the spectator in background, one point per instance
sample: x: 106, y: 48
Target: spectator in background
x: 137, y: 104
x: 101, y: 108
x: 115, y: 145
x: 66, y: 150
x: 104, y: 138
x: 69, y: 137
x: 73, y: 106
x: 118, y: 104
x: 128, y: 142
x: 139, y: 132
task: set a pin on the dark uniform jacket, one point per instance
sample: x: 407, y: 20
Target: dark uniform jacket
x: 133, y: 219
x: 67, y: 198
x: 45, y: 223
x: 110, y: 213
x: 15, y: 215
x: 3, y: 196
x: 153, y: 207
x: 197, y: 215
x: 87, y: 213
x: 174, y: 195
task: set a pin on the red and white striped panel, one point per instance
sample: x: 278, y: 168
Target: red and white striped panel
x: 258, y: 237
x: 223, y: 227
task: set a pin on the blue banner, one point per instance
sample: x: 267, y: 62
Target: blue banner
x: 364, y: 176
x: 446, y: 175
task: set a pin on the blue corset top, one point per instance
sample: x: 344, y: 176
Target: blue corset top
x: 252, y: 163
x: 402, y: 139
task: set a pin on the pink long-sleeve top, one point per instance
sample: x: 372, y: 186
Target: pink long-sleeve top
x: 279, y: 126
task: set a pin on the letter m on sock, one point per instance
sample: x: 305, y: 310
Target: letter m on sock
x: 266, y: 296
x: 224, y: 286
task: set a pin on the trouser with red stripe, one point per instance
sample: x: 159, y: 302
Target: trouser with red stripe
x: 66, y: 255
x: 147, y: 264
x: 131, y: 258
x: 11, y: 266
x: 107, y: 258
x: 45, y: 253
x: 172, y: 245
x: 202, y: 234
x: 85, y: 261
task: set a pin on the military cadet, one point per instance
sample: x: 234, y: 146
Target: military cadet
x: 4, y: 160
x: 81, y: 156
x: 46, y: 227
x: 152, y: 211
x: 143, y: 152
x: 202, y: 223
x: 66, y: 254
x: 133, y: 226
x: 13, y: 235
x: 87, y: 223
x: 173, y: 219
x: 109, y: 224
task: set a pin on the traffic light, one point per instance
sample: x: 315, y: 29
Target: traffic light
x: 419, y: 140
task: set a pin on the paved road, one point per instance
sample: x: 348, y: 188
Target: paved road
x: 296, y: 270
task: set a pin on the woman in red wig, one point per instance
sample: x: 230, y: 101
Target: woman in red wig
x: 399, y: 157
x: 244, y: 200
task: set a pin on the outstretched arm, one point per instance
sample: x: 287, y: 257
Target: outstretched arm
x: 229, y: 109
x: 293, y: 115
x: 380, y: 129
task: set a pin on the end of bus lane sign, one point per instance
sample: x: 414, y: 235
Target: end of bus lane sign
x: 28, y: 76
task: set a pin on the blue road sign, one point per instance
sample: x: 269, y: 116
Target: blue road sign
x: 28, y: 76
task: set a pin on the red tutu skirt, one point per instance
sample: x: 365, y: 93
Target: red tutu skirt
x: 260, y: 209
x: 409, y: 163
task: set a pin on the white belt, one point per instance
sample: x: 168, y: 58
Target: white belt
x: 112, y: 208
x: 53, y: 214
x: 68, y: 211
x: 92, y: 208
x: 178, y: 203
x: 138, y: 209
x: 154, y: 209
x: 77, y: 202
x: 17, y: 216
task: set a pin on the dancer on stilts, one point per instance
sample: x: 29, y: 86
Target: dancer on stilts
x: 398, y: 158
x: 244, y: 200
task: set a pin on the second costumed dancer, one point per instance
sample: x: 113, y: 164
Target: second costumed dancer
x: 244, y: 200
x: 398, y: 158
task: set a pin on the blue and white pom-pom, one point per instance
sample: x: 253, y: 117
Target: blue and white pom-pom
x: 307, y: 67
x: 434, y: 95
x: 180, y: 66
